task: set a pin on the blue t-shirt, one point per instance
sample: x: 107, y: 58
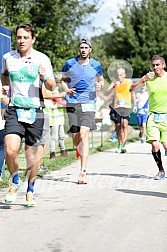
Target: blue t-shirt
x: 82, y: 78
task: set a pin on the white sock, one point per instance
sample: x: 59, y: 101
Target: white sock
x: 83, y: 169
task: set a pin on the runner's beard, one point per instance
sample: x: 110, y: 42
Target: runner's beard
x: 84, y: 57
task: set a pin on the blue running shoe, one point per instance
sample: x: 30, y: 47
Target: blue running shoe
x: 160, y: 176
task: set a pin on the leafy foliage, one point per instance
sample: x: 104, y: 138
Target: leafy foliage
x: 140, y: 34
x: 56, y: 22
x: 99, y: 48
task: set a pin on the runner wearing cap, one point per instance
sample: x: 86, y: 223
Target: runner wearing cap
x: 82, y: 76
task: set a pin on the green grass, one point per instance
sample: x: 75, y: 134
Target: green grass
x: 61, y: 162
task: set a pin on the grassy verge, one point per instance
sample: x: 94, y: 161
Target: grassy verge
x: 61, y: 162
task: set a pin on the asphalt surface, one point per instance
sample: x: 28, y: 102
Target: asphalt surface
x: 121, y: 209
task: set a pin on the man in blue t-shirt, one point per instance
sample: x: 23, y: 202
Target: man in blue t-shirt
x: 82, y: 77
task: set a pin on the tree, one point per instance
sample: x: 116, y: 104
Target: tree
x: 140, y: 34
x: 99, y: 54
x: 56, y: 22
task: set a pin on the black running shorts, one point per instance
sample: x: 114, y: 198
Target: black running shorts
x: 78, y: 118
x: 31, y: 132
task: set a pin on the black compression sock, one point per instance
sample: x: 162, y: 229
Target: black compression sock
x: 158, y: 160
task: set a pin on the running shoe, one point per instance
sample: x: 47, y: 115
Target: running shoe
x: 113, y: 140
x: 11, y: 196
x: 123, y: 149
x: 142, y: 140
x: 30, y: 201
x: 82, y: 178
x: 42, y: 168
x: 63, y: 153
x: 119, y: 149
x: 160, y: 176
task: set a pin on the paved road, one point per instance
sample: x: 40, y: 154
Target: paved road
x: 122, y: 209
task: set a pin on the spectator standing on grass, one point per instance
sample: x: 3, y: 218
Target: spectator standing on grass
x: 55, y: 108
x: 156, y: 128
x: 46, y: 138
x: 79, y: 81
x: 121, y: 108
x: 44, y: 141
x: 26, y: 70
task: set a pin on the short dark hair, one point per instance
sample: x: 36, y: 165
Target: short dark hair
x: 26, y: 27
x: 158, y: 57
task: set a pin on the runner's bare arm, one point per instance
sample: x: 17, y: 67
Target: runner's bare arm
x: 51, y: 95
x: 136, y: 85
x: 49, y: 82
x: 5, y: 79
x: 99, y: 83
x: 69, y: 91
x: 142, y: 81
x: 109, y: 89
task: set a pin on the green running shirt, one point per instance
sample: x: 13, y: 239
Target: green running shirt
x: 157, y: 89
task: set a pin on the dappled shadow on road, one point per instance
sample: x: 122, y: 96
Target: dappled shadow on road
x: 128, y: 152
x: 144, y: 193
x: 60, y: 179
x: 120, y: 175
x: 66, y: 179
x: 5, y: 206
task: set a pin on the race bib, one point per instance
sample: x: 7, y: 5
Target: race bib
x: 160, y: 118
x: 121, y: 102
x: 88, y: 107
x: 142, y: 111
x: 26, y: 115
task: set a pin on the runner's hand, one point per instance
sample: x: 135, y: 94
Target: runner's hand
x: 148, y: 76
x: 98, y: 86
x: 5, y: 90
x: 71, y: 91
x: 41, y: 72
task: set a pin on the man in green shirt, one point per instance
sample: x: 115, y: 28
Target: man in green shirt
x: 156, y: 131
